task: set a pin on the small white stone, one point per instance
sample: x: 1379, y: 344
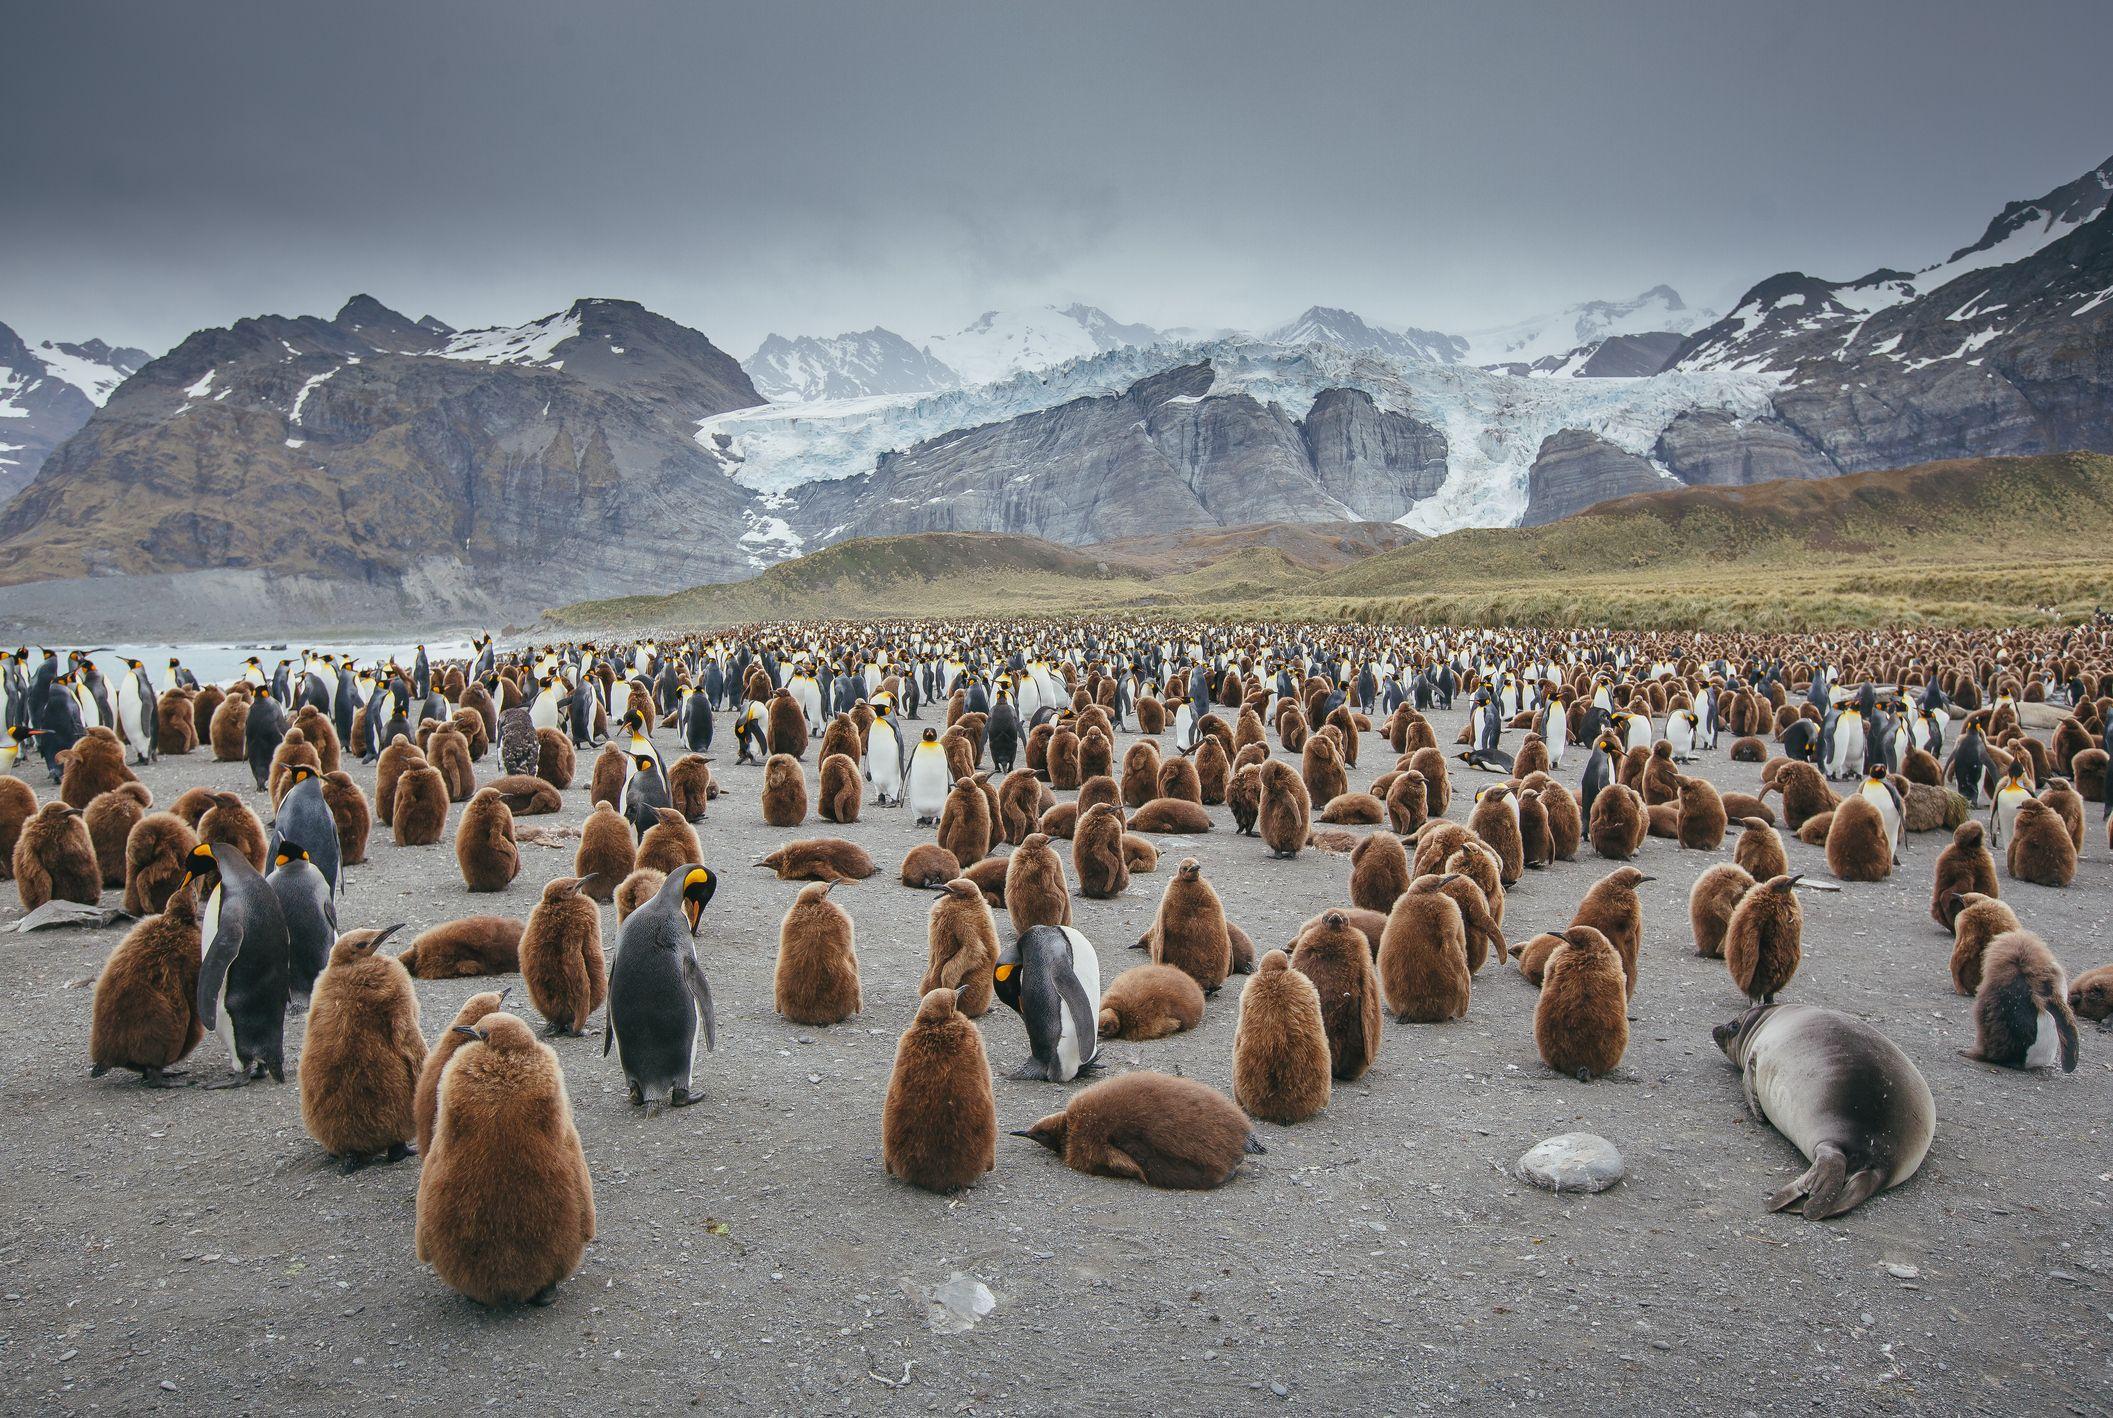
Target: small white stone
x: 1573, y: 1162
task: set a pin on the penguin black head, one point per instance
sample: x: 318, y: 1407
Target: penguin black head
x: 698, y: 884
x: 200, y: 865
x: 931, y: 736
x: 1876, y: 773
x: 289, y: 851
x: 644, y: 762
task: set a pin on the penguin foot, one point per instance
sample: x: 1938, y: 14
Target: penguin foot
x: 163, y: 1078
x: 546, y: 1296
x: 350, y: 1163
x: 1032, y: 1071
x: 683, y: 1097
x: 399, y: 1151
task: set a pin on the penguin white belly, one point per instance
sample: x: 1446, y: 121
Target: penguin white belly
x: 1072, y: 1046
x: 928, y: 783
x: 1848, y: 747
x: 2046, y: 1048
x: 885, y: 767
x: 1680, y: 737
x: 545, y: 713
x: 1640, y: 731
x: 2007, y: 805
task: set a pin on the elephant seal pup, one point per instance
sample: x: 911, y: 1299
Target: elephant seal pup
x: 1843, y: 1092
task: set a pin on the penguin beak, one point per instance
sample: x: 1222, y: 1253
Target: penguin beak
x: 384, y: 934
x: 468, y: 1032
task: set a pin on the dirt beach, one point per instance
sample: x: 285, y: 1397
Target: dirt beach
x: 185, y: 1250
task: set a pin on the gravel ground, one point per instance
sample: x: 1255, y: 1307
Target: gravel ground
x: 184, y: 1249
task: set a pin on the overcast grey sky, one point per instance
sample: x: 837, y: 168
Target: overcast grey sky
x: 813, y: 168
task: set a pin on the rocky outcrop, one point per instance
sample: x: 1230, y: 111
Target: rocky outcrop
x: 392, y: 458
x: 1575, y: 470
x: 46, y: 394
x: 1164, y: 454
x: 1706, y: 447
x: 1631, y: 356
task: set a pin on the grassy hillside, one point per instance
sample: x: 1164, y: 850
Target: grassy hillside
x: 1979, y: 542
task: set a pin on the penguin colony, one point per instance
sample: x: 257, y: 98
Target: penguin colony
x: 1280, y: 737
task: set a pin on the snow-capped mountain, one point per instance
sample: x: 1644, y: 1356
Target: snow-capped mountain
x: 1559, y: 336
x: 47, y: 392
x: 1327, y: 325
x: 1002, y: 343
x: 855, y: 365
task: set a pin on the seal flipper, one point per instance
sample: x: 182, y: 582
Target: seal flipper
x: 1820, y: 1186
x: 1859, y: 1188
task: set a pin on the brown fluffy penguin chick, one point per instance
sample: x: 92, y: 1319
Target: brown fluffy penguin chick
x: 145, y: 1014
x: 839, y: 794
x: 1150, y: 1127
x: 1140, y: 776
x: 1189, y: 931
x: 1178, y: 779
x: 2091, y: 994
x: 1536, y: 846
x: 1803, y: 788
x: 505, y: 1204
x: 607, y: 854
x: 784, y: 791
x: 93, y: 766
x: 55, y: 861
x: 448, y: 751
x: 1964, y: 865
x: 1355, y: 809
x: 484, y: 843
x: 561, y: 956
x: 669, y: 843
x: 18, y: 804
x: 526, y: 795
x: 1816, y: 827
x: 1581, y: 1021
x: 2040, y: 848
x: 362, y: 1055
x: 1173, y: 816
x: 1495, y: 820
x: 1715, y: 895
x: 1280, y: 1047
x: 1858, y: 847
x: 399, y: 754
x: 2021, y: 1012
x: 1097, y: 853
x: 817, y: 975
x: 421, y: 807
x: 1618, y: 823
x: 459, y: 949
x: 1286, y: 813
x: 294, y: 751
x: 929, y: 865
x: 1484, y: 936
x: 2059, y: 795
x: 1150, y: 1002
x: 1660, y: 780
x: 427, y: 1102
x: 1566, y: 824
x: 227, y: 731
x: 1423, y: 958
x: 1978, y: 919
x: 1611, y: 908
x: 785, y: 726
x: 939, y: 1123
x: 155, y: 853
x: 110, y: 819
x: 690, y: 787
x: 1035, y: 890
x: 1760, y: 850
x: 820, y: 859
x: 635, y: 890
x: 1407, y: 805
x: 962, y: 946
x: 229, y: 820
x: 1763, y: 941
x: 1019, y: 806
x: 1702, y: 819
x: 349, y: 810
x: 1338, y: 958
x: 964, y: 821
x: 1379, y: 872
x: 1534, y: 955
x: 556, y: 764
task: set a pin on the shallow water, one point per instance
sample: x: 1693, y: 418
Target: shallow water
x: 220, y: 662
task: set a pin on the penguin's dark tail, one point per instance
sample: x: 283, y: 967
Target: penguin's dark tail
x: 1254, y: 1143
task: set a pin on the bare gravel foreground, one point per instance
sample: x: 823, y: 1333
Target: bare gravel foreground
x: 187, y: 1250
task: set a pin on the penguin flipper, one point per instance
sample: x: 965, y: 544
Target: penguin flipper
x: 608, y: 1036
x: 701, y: 996
x: 212, y: 971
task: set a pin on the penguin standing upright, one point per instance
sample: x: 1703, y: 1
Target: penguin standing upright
x: 1001, y: 733
x: 1892, y: 810
x: 242, y: 982
x: 310, y: 912
x: 884, y: 756
x: 262, y: 732
x: 305, y: 817
x: 658, y: 993
x: 697, y: 721
x: 1051, y: 976
x: 139, y: 713
x: 1599, y: 771
x: 929, y: 779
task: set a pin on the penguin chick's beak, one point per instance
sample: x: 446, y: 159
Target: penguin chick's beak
x: 469, y: 1031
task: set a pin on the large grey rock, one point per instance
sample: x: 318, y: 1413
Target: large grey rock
x: 1710, y: 448
x: 1573, y: 1162
x: 1576, y: 470
x: 1376, y: 462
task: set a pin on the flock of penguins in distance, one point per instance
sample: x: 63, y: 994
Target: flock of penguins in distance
x: 976, y: 728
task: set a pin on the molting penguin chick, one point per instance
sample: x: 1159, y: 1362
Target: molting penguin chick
x: 2091, y: 994
x: 939, y: 1123
x: 1764, y: 940
x: 1281, y: 1061
x: 607, y: 854
x: 1035, y: 890
x: 784, y: 790
x: 1423, y: 966
x: 1581, y: 1021
x: 484, y: 843
x: 1150, y: 1002
x: 2041, y: 850
x: 1286, y: 813
x: 145, y: 1014
x: 1710, y: 903
x: 362, y: 1054
x: 1977, y: 919
x: 2021, y: 1013
x: 1611, y: 907
x: 55, y: 859
x: 425, y: 1107
x: 1153, y: 1128
x: 561, y: 956
x: 1964, y: 865
x: 505, y: 1203
x: 1859, y: 846
x: 817, y: 975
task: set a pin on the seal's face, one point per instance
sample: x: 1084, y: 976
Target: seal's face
x: 1731, y: 1036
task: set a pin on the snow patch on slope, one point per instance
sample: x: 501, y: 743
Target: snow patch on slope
x: 532, y: 343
